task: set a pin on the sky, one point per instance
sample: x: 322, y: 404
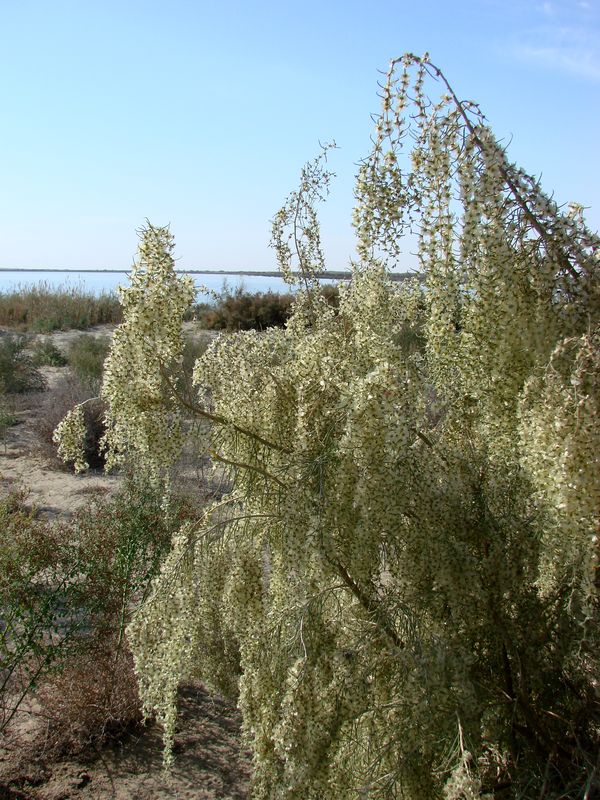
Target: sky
x: 201, y: 114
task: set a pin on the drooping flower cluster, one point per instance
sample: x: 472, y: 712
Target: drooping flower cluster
x: 143, y: 420
x: 70, y: 437
x: 401, y: 588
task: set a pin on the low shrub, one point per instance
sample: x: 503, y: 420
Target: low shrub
x: 18, y: 372
x: 92, y: 699
x: 239, y: 310
x: 67, y: 591
x: 193, y: 348
x: 44, y: 353
x: 86, y: 358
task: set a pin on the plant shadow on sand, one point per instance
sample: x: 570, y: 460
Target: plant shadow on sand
x: 209, y: 762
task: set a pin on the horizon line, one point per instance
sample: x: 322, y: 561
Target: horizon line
x: 332, y: 274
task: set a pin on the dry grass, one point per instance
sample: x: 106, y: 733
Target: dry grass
x: 92, y: 700
x: 43, y: 309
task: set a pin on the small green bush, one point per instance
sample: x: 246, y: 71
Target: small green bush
x: 18, y: 372
x: 30, y: 607
x: 7, y: 418
x: 86, y: 358
x: 46, y: 354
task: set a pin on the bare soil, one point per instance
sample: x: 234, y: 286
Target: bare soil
x: 209, y: 762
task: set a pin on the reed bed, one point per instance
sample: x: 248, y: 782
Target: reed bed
x: 41, y: 308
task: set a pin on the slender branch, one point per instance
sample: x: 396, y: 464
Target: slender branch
x: 301, y: 266
x: 367, y: 602
x: 424, y: 438
x: 244, y: 465
x: 89, y: 400
x: 154, y: 591
x: 220, y: 420
x: 535, y: 222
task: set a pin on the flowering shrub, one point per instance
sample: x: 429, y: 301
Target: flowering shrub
x: 401, y: 587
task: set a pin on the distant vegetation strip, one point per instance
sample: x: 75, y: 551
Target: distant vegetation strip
x: 238, y: 310
x: 42, y: 309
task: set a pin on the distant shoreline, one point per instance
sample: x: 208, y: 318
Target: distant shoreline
x: 329, y: 274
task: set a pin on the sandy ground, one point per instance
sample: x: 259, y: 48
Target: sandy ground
x: 54, y: 492
x: 209, y: 762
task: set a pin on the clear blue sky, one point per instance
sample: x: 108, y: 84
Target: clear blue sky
x: 201, y: 114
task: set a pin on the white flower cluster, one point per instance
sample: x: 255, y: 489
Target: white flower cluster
x: 70, y: 436
x: 413, y: 534
x: 143, y: 418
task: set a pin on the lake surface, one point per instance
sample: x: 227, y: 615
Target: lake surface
x: 98, y: 282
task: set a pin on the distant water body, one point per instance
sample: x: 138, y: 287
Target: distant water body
x: 98, y: 282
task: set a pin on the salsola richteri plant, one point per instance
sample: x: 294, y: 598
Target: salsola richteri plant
x: 402, y: 585
x: 142, y: 424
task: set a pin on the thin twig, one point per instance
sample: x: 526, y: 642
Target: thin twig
x: 220, y: 420
x: 535, y: 222
x: 367, y: 602
x: 244, y: 465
